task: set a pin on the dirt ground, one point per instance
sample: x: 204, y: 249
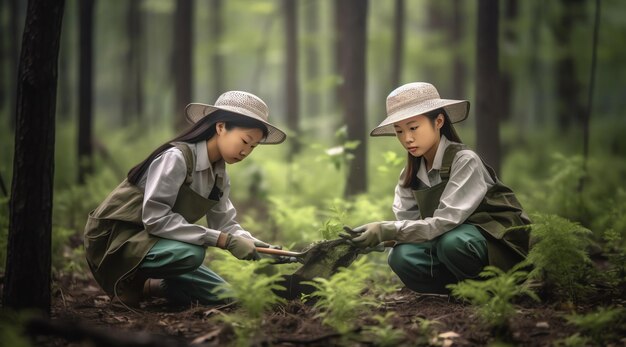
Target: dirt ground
x: 82, y: 312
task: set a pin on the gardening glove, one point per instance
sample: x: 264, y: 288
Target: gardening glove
x: 239, y: 246
x: 259, y: 243
x: 371, y: 234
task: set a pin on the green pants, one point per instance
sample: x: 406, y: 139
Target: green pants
x: 179, y: 264
x: 428, y: 267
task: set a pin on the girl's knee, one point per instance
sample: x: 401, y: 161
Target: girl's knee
x: 398, y: 259
x: 193, y: 256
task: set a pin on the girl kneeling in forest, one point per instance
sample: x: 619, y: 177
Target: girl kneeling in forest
x: 142, y: 240
x: 453, y: 213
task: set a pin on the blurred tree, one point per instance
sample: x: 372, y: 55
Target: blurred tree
x: 456, y: 37
x: 398, y: 44
x: 13, y: 46
x: 132, y: 83
x: 311, y: 21
x: 85, y: 90
x: 353, y: 18
x: 4, y: 88
x: 510, y: 39
x: 182, y: 59
x: 216, y: 27
x: 65, y: 92
x: 487, y: 84
x: 291, y: 74
x: 27, y: 279
x: 570, y: 108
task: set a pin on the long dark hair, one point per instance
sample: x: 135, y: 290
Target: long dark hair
x: 412, y: 163
x: 202, y: 130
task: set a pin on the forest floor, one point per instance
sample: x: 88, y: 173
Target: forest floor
x: 82, y: 311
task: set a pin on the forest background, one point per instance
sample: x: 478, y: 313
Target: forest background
x: 545, y: 80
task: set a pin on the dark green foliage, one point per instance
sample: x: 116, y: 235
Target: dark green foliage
x: 601, y: 326
x: 559, y: 256
x: 494, y: 293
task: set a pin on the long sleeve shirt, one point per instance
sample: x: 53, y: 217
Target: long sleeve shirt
x: 467, y: 185
x: 161, y: 184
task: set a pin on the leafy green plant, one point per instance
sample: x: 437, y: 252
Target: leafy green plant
x: 250, y: 286
x: 493, y: 294
x: 384, y: 334
x: 12, y: 327
x: 392, y: 162
x: 559, y: 256
x: 600, y: 325
x: 338, y: 300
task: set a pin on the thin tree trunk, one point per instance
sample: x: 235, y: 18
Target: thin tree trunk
x: 131, y: 83
x: 291, y: 73
x: 398, y: 44
x: 487, y: 84
x: 183, y: 59
x: 510, y: 38
x: 570, y: 109
x: 592, y: 79
x: 27, y: 279
x: 13, y: 57
x: 217, y: 60
x: 311, y: 24
x: 458, y: 65
x: 85, y: 101
x: 4, y: 88
x: 353, y: 52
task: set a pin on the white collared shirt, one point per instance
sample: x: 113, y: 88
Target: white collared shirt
x: 161, y: 184
x: 467, y: 185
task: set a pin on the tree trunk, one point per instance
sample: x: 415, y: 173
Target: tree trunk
x: 65, y: 91
x: 4, y: 88
x: 217, y: 60
x: 510, y: 40
x: 487, y: 84
x: 291, y: 73
x: 398, y: 44
x: 85, y: 101
x: 132, y: 102
x: 570, y: 107
x: 311, y: 24
x: 456, y: 38
x: 337, y: 103
x: 353, y: 15
x: 27, y: 280
x: 183, y: 60
x: 13, y: 56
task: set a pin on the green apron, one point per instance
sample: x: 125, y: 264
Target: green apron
x: 116, y: 241
x: 499, y: 211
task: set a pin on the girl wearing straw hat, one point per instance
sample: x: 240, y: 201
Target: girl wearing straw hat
x: 143, y: 239
x: 453, y: 213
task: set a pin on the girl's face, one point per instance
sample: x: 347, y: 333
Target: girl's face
x: 236, y: 144
x: 419, y: 135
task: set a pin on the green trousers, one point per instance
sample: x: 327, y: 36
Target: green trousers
x: 428, y: 267
x: 185, y: 278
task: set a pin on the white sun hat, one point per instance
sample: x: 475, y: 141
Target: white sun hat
x: 417, y: 98
x: 241, y: 103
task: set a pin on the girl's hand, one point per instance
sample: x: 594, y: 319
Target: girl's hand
x: 371, y: 234
x: 241, y: 247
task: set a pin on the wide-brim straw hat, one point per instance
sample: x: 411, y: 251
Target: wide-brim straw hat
x: 241, y: 103
x: 417, y: 98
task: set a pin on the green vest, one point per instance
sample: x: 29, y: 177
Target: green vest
x: 115, y: 238
x: 499, y: 211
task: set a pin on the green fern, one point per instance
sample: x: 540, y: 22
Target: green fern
x: 600, y: 326
x: 493, y: 294
x: 559, y: 256
x: 338, y: 300
x: 384, y: 334
x: 252, y: 289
